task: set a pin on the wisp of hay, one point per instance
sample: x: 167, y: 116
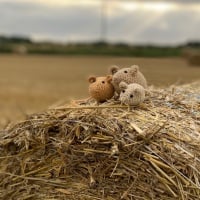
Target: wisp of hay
x: 84, y: 151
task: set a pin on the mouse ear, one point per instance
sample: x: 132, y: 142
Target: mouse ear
x: 123, y: 86
x: 137, y: 90
x: 113, y: 69
x: 109, y: 78
x: 91, y: 79
x: 134, y: 69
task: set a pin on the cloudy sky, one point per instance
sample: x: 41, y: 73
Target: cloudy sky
x: 131, y: 21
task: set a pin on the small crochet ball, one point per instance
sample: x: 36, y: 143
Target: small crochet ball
x: 100, y: 88
x: 127, y: 75
x: 132, y: 94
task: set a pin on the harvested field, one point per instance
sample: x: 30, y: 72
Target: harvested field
x: 83, y: 151
x: 32, y: 83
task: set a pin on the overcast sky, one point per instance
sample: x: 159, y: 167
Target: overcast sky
x: 158, y: 22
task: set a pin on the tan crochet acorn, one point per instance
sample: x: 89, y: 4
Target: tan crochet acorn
x: 127, y: 75
x: 100, y: 88
x: 132, y: 94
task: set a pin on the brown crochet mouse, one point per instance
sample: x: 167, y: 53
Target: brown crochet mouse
x: 127, y: 75
x: 100, y: 88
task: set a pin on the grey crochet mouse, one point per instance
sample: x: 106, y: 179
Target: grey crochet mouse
x: 127, y: 75
x: 132, y: 94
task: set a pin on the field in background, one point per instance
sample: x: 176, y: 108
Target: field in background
x: 32, y: 83
x: 27, y: 46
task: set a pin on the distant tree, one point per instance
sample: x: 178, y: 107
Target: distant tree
x: 194, y: 44
x: 15, y: 40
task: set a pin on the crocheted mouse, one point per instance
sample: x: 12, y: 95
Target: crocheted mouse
x: 127, y: 75
x: 100, y: 88
x: 132, y: 94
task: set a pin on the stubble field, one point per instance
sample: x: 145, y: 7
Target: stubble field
x: 32, y: 83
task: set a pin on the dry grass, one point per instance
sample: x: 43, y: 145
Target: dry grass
x: 83, y: 151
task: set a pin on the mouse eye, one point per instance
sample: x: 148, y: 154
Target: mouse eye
x: 131, y: 96
x: 125, y: 72
x: 103, y: 82
x: 123, y: 91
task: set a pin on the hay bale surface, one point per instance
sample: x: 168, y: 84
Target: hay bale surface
x: 107, y: 152
x: 192, y: 56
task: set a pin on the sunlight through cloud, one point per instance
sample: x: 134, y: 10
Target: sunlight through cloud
x: 149, y: 6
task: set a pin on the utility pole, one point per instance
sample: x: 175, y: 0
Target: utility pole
x: 103, y: 25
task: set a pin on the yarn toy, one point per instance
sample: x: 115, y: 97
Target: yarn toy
x: 100, y: 88
x: 132, y: 94
x: 127, y: 75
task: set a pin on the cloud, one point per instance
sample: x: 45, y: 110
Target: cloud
x: 174, y: 1
x: 145, y: 27
x: 80, y: 23
x: 55, y: 3
x: 53, y: 23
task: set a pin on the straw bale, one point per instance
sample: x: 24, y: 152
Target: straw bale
x: 108, y: 151
x: 192, y: 56
x: 194, y: 60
